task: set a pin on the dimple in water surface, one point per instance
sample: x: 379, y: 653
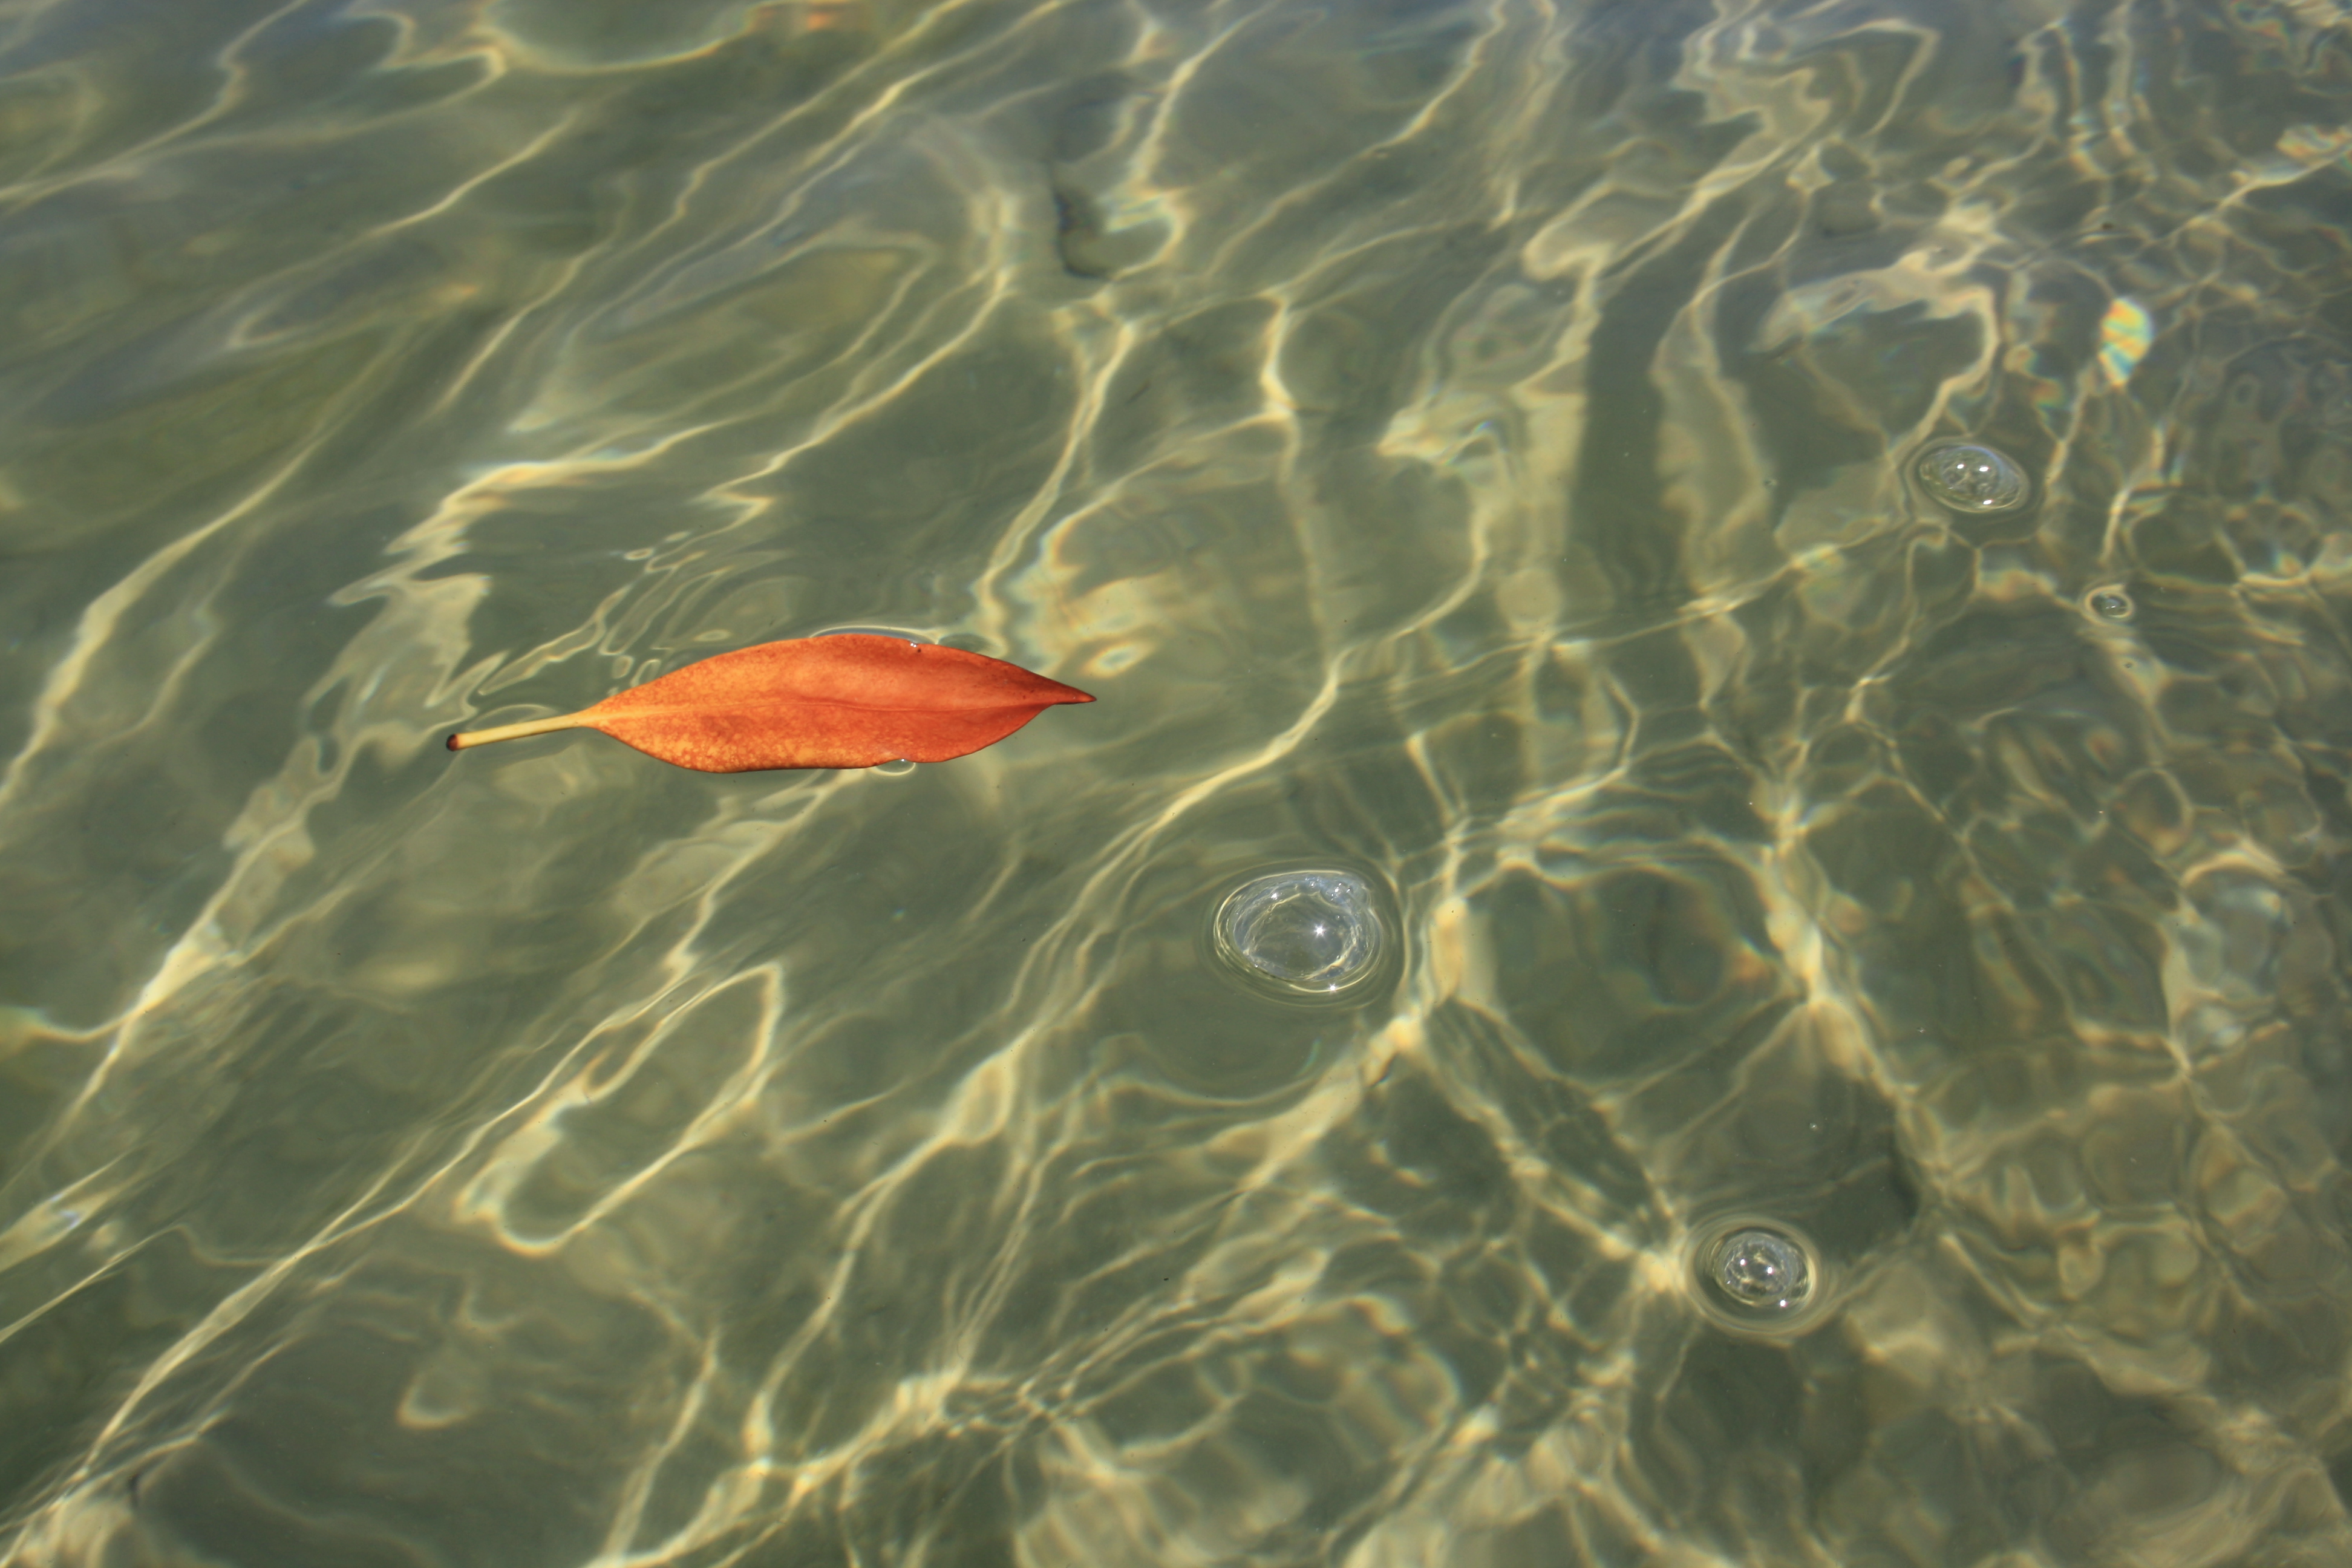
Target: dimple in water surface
x: 1308, y: 930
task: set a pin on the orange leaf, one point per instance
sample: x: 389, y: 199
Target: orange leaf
x: 845, y: 702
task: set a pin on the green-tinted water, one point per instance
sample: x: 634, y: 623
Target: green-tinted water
x: 1474, y: 445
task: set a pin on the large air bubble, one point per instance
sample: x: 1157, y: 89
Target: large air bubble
x: 1318, y: 934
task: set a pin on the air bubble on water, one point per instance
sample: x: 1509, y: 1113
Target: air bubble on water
x: 2109, y: 604
x: 1973, y: 479
x: 1762, y: 1270
x: 1756, y: 1276
x: 1311, y: 932
x: 899, y: 768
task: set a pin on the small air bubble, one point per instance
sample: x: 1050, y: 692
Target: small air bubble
x: 1762, y: 1270
x: 2110, y: 604
x: 1758, y: 1275
x: 1973, y: 479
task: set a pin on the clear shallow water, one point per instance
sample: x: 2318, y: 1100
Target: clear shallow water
x: 1474, y: 447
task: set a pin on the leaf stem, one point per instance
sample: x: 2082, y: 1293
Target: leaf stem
x: 517, y: 732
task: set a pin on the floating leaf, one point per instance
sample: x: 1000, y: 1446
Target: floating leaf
x: 845, y: 702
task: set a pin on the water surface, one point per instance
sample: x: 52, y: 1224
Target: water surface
x: 1473, y: 449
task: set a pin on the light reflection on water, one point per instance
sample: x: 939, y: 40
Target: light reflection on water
x: 1475, y: 445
